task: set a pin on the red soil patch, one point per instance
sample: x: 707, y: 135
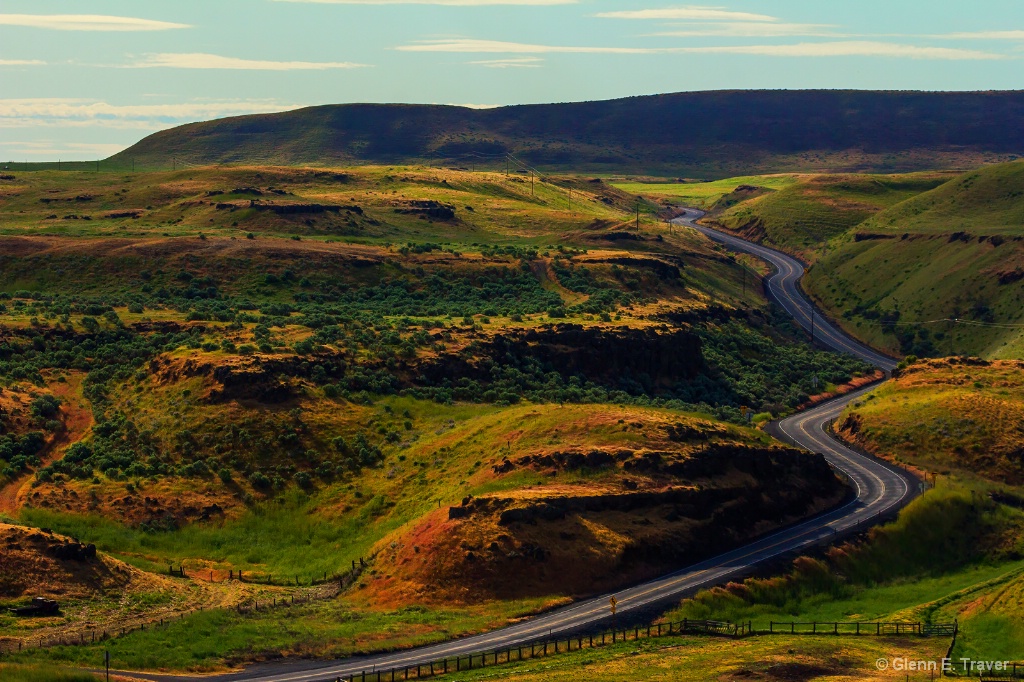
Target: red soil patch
x: 843, y: 389
x: 76, y: 416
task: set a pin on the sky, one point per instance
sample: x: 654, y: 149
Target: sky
x: 84, y: 79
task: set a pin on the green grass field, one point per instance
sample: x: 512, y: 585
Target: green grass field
x: 803, y: 216
x: 702, y: 194
x: 42, y: 673
x: 219, y: 639
x: 988, y: 201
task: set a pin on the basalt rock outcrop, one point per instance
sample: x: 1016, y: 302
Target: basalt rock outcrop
x: 659, y: 356
x: 670, y: 509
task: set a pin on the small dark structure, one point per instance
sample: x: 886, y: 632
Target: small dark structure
x: 40, y: 606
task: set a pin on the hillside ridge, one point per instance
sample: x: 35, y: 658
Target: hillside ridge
x: 767, y: 129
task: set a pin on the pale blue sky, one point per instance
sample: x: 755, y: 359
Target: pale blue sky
x: 86, y: 78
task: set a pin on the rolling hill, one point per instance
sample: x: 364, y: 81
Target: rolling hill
x: 703, y: 133
x: 941, y: 273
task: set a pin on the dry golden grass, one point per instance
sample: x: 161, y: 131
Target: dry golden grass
x: 962, y: 417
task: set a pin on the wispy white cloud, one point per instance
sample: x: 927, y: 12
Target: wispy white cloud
x: 38, y: 148
x: 198, y: 60
x: 511, y: 63
x: 690, y: 12
x: 450, y: 3
x: 984, y: 35
x: 851, y: 48
x: 86, y: 22
x: 78, y: 113
x: 471, y: 45
x: 817, y: 49
x: 21, y: 62
x: 752, y: 29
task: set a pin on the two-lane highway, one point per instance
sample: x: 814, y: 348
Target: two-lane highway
x: 784, y: 287
x: 880, y: 489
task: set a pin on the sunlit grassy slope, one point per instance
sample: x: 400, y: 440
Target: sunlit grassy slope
x: 987, y: 201
x: 961, y: 418
x: 370, y: 202
x: 939, y: 274
x: 803, y: 216
x: 702, y: 195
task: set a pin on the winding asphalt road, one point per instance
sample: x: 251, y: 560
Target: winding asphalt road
x: 881, y: 490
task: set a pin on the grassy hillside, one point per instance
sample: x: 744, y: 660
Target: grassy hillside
x: 703, y: 195
x: 961, y: 418
x: 988, y: 201
x: 700, y: 134
x: 939, y: 274
x: 803, y: 216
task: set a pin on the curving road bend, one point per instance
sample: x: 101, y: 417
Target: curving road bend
x: 881, y: 490
x: 784, y: 287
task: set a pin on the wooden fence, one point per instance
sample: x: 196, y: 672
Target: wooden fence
x: 550, y: 647
x: 879, y: 629
x: 214, y: 575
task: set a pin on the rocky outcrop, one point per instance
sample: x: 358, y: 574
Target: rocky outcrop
x: 427, y: 209
x: 584, y: 539
x: 660, y: 356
